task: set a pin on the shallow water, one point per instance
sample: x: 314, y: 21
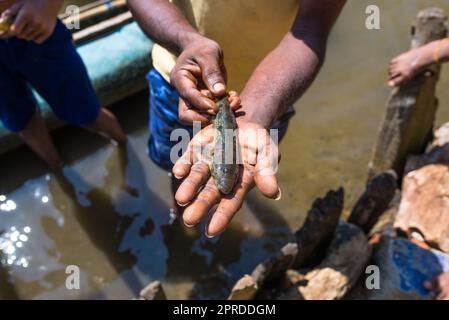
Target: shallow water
x: 111, y: 217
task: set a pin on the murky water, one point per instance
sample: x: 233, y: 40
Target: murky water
x: 111, y: 218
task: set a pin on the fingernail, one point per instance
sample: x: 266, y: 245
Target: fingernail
x: 219, y: 87
x: 207, y: 235
x: 211, y: 112
x: 279, y: 196
x: 182, y: 205
x: 188, y: 225
x: 176, y: 176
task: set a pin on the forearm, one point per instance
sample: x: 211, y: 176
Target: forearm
x: 164, y: 23
x: 282, y: 78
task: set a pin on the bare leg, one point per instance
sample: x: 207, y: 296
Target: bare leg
x: 107, y: 125
x: 37, y: 137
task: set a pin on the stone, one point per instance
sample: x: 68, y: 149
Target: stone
x: 274, y: 268
x: 317, y: 231
x: 424, y: 206
x: 437, y: 152
x: 244, y: 289
x: 374, y: 201
x: 347, y: 257
x: 411, y: 108
x: 153, y: 291
x: 404, y: 267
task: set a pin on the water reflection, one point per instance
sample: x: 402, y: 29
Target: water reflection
x: 110, y: 216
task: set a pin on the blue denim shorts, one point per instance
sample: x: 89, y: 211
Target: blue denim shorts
x: 164, y: 119
x: 55, y: 70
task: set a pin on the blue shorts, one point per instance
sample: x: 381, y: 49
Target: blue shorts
x: 55, y: 70
x: 164, y: 119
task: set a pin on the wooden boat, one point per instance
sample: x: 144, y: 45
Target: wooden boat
x: 116, y: 53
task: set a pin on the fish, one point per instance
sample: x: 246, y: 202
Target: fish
x: 224, y: 167
x: 5, y: 24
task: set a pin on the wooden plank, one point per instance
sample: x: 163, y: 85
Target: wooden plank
x: 102, y: 28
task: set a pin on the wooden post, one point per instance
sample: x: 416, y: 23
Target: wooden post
x: 410, y: 113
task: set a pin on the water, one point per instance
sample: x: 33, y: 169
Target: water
x: 112, y: 218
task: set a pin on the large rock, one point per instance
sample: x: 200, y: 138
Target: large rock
x: 347, y: 257
x: 404, y: 267
x: 425, y: 205
x: 374, y: 201
x: 153, y: 291
x: 274, y: 268
x: 316, y: 233
x: 437, y: 151
x: 244, y: 289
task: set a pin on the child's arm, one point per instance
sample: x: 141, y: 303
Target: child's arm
x: 35, y: 19
x: 409, y: 64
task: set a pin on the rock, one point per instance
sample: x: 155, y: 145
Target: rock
x: 274, y: 268
x: 317, y: 231
x: 374, y: 201
x: 244, y: 289
x: 440, y: 136
x: 346, y: 259
x: 153, y: 291
x: 411, y: 108
x: 404, y: 267
x: 425, y: 205
x: 437, y: 152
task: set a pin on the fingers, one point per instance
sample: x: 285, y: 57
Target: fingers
x: 186, y: 84
x: 433, y: 287
x: 234, y: 100
x: 200, y: 207
x: 396, y: 80
x: 266, y: 168
x: 188, y: 115
x: 198, y: 176
x: 229, y: 205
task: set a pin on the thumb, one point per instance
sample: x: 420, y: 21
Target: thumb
x: 213, y: 74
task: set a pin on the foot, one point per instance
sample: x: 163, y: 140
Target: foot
x: 439, y: 286
x: 409, y: 64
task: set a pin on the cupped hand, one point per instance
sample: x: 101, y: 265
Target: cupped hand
x: 34, y: 20
x: 199, y: 76
x: 198, y: 192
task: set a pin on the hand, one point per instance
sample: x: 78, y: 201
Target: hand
x: 439, y: 286
x: 407, y: 65
x: 198, y: 191
x: 199, y: 69
x: 188, y: 116
x: 35, y: 20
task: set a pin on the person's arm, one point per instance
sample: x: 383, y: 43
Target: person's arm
x: 280, y: 79
x: 407, y: 65
x: 200, y: 60
x: 35, y: 20
x: 286, y: 73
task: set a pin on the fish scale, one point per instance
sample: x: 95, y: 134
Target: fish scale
x: 224, y: 169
